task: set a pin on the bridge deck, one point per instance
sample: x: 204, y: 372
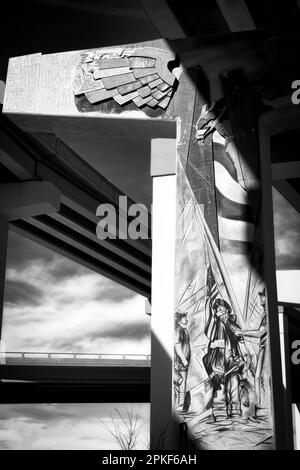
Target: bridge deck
x: 74, y: 359
x: 74, y: 377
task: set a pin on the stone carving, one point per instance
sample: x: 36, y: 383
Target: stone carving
x: 138, y: 75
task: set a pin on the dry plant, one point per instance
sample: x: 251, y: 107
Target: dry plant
x: 126, y: 428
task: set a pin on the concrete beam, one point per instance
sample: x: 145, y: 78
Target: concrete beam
x: 92, y: 250
x: 288, y: 311
x: 163, y: 157
x: 285, y: 170
x: 70, y: 220
x: 236, y: 15
x: 78, y: 255
x: 274, y: 122
x: 288, y: 192
x: 39, y: 97
x: 63, y: 374
x: 80, y: 201
x: 14, y: 157
x: 82, y: 190
x: 163, y: 18
x: 64, y: 157
x: 28, y: 199
x: 83, y: 203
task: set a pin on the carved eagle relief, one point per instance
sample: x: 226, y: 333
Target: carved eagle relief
x: 139, y: 75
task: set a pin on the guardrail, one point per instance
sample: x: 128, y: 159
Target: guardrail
x: 72, y: 355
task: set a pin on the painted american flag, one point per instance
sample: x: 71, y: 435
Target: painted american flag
x: 212, y: 292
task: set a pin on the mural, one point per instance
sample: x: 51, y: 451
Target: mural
x: 221, y: 370
x: 112, y: 79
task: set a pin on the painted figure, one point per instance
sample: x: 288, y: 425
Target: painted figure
x: 260, y: 333
x: 224, y: 363
x: 181, y: 358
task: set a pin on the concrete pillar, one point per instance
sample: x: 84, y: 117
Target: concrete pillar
x: 3, y: 250
x: 286, y: 376
x: 163, y: 170
x: 282, y: 423
x: 296, y: 425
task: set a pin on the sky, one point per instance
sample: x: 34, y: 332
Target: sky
x: 287, y: 233
x: 68, y: 426
x: 54, y: 304
x: 287, y: 243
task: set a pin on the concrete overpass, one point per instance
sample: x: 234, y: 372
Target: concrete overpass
x: 70, y: 231
x: 74, y: 377
x: 26, y: 358
x: 37, y: 157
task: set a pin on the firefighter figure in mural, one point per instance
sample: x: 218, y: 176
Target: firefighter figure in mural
x: 226, y: 363
x: 261, y: 334
x: 182, y: 356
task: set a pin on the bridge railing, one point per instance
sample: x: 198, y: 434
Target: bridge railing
x: 71, y: 355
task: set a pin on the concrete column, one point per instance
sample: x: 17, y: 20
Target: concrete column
x: 296, y: 425
x: 3, y: 250
x: 28, y: 199
x: 163, y: 170
x: 282, y: 424
x: 286, y: 376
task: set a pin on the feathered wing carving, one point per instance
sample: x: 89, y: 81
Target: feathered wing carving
x: 138, y: 75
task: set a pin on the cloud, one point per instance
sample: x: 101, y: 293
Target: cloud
x: 22, y: 293
x: 62, y: 269
x: 53, y: 304
x: 136, y: 331
x: 32, y: 413
x: 110, y: 291
x: 287, y: 233
x: 66, y: 426
x: 22, y: 251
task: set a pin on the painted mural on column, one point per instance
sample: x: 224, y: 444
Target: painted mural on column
x: 221, y: 370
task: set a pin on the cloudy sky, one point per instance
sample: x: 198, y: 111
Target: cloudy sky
x: 54, y: 304
x: 287, y: 233
x: 287, y: 243
x: 67, y: 426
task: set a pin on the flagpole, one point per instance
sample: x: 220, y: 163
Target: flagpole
x: 246, y: 304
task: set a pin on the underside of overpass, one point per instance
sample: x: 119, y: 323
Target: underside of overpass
x: 41, y: 155
x: 72, y: 230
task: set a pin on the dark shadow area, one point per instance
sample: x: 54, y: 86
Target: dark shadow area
x: 76, y: 391
x: 33, y: 26
x: 284, y: 146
